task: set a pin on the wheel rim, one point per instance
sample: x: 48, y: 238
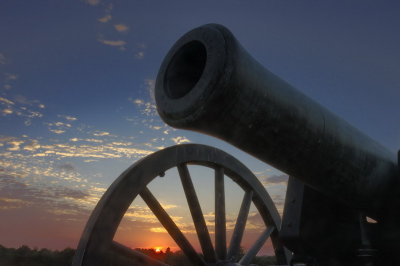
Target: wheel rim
x: 97, y: 245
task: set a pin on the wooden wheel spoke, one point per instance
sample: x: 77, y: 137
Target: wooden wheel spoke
x: 234, y: 246
x: 220, y: 218
x: 197, y: 214
x: 96, y: 245
x: 252, y: 252
x: 122, y: 255
x: 171, y: 227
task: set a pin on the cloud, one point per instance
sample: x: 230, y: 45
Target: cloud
x: 61, y: 124
x: 88, y: 140
x: 68, y: 117
x: 18, y: 194
x: 255, y: 222
x: 33, y: 114
x: 85, y: 148
x: 145, y: 108
x: 158, y: 230
x: 275, y: 179
x: 180, y: 140
x: 57, y: 131
x: 101, y: 133
x: 138, y: 102
x: 18, y: 107
x: 105, y: 19
x: 121, y: 27
x: 115, y: 43
x: 272, y: 179
x: 104, y: 151
x: 149, y: 222
x: 14, y: 107
x: 32, y: 146
x: 7, y: 111
x: 140, y: 50
x: 15, y: 145
x: 92, y: 2
x: 121, y: 143
x: 139, y: 55
x: 58, y: 127
x: 150, y: 87
x: 2, y: 59
x: 6, y: 101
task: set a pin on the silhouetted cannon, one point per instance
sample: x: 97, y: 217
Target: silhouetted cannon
x: 338, y: 176
x: 208, y: 83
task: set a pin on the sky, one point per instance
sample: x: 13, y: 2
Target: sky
x: 77, y: 106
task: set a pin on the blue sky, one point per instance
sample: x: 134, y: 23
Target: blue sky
x: 77, y: 78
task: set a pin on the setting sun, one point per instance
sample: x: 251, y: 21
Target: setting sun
x: 158, y: 249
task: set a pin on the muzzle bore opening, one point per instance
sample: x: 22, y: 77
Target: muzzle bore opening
x: 185, y: 69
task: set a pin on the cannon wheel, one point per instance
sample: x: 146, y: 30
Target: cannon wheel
x: 96, y: 246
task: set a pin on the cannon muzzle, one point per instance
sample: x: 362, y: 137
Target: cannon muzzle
x: 208, y: 83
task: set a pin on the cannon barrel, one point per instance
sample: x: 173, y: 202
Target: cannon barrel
x: 208, y: 83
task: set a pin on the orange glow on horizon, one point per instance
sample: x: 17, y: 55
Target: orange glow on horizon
x: 158, y: 249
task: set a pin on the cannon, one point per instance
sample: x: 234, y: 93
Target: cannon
x: 342, y: 202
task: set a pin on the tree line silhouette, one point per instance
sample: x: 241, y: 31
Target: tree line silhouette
x: 35, y: 257
x: 25, y: 256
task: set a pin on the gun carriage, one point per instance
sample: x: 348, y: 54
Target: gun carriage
x: 340, y: 179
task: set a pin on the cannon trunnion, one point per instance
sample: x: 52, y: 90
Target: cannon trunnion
x: 208, y: 83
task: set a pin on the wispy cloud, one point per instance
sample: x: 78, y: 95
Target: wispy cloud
x: 150, y: 87
x: 18, y: 106
x: 105, y: 19
x: 139, y: 55
x: 267, y: 179
x: 7, y: 111
x: 57, y: 131
x: 87, y: 149
x: 6, y: 101
x: 61, y: 124
x: 180, y: 140
x: 58, y: 127
x: 101, y: 133
x: 149, y: 222
x: 115, y: 43
x: 121, y: 27
x: 68, y: 117
x: 32, y: 146
x: 140, y: 50
x: 145, y: 108
x: 87, y: 140
x: 18, y: 193
x: 15, y: 145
